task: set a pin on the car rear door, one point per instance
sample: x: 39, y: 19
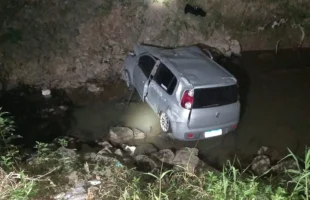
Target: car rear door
x: 161, y: 88
x: 214, y: 106
x: 142, y: 73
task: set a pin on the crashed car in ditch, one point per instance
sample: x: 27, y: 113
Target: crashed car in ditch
x: 194, y: 97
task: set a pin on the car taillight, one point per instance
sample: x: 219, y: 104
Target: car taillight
x: 190, y: 135
x: 187, y: 99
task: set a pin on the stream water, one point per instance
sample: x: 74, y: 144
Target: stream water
x: 275, y: 95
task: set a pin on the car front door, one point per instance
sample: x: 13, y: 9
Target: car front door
x: 142, y: 73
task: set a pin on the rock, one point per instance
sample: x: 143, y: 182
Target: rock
x: 92, y: 88
x: 165, y: 155
x: 90, y: 156
x: 260, y: 165
x: 144, y: 163
x: 285, y: 165
x: 105, y: 144
x: 105, y: 151
x: 73, y: 177
x: 145, y: 149
x: 60, y: 196
x: 262, y: 150
x: 77, y: 193
x: 120, y: 135
x: 92, y: 192
x: 235, y: 47
x: 186, y: 159
x: 64, y: 108
x: 202, y: 167
x: 138, y: 135
x: 272, y: 153
x: 46, y: 93
x: 118, y: 152
x: 64, y: 152
x: 105, y: 159
x: 130, y: 149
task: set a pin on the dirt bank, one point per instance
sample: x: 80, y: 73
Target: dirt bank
x: 67, y: 44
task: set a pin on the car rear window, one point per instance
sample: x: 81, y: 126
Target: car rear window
x: 218, y: 96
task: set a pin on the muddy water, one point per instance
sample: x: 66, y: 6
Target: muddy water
x: 275, y: 95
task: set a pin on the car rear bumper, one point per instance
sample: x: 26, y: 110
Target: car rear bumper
x: 180, y: 130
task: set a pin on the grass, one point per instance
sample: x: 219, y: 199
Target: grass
x: 45, y: 176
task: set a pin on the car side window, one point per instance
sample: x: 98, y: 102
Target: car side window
x: 146, y: 63
x: 165, y: 79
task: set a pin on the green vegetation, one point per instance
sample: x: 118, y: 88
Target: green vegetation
x: 45, y: 176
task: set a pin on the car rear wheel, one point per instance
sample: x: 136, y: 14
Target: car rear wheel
x: 164, y: 123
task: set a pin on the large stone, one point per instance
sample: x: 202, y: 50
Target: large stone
x: 165, y: 155
x: 73, y: 177
x: 138, y: 134
x: 144, y: 163
x: 64, y: 152
x: 104, y: 151
x: 105, y: 144
x: 235, y: 47
x: 120, y: 135
x: 90, y: 156
x: 260, y: 165
x: 285, y: 165
x: 100, y: 158
x: 186, y: 159
x: 118, y: 152
x: 145, y: 149
x: 272, y: 153
x: 105, y: 159
x: 77, y: 193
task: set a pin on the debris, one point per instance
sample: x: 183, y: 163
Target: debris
x: 130, y: 149
x: 46, y: 93
x: 93, y: 88
x: 94, y: 182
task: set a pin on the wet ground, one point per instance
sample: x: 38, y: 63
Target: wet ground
x: 275, y: 95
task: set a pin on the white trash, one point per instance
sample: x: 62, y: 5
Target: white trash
x: 46, y: 93
x: 94, y: 182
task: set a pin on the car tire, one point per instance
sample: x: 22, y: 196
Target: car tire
x: 164, y: 122
x: 127, y: 80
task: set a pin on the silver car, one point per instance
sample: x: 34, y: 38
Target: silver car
x: 193, y: 96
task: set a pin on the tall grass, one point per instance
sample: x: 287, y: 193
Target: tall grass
x: 128, y: 184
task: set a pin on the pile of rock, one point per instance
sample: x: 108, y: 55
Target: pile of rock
x: 270, y: 160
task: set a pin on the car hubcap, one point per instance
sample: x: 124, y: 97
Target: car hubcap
x: 164, y: 122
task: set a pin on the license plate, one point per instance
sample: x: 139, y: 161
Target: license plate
x: 213, y: 133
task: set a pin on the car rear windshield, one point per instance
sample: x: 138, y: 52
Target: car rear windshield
x: 218, y: 96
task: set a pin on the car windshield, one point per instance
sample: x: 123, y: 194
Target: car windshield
x: 218, y: 96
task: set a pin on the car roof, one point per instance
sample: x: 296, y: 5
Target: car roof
x: 191, y: 63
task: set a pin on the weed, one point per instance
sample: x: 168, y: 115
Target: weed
x: 300, y: 177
